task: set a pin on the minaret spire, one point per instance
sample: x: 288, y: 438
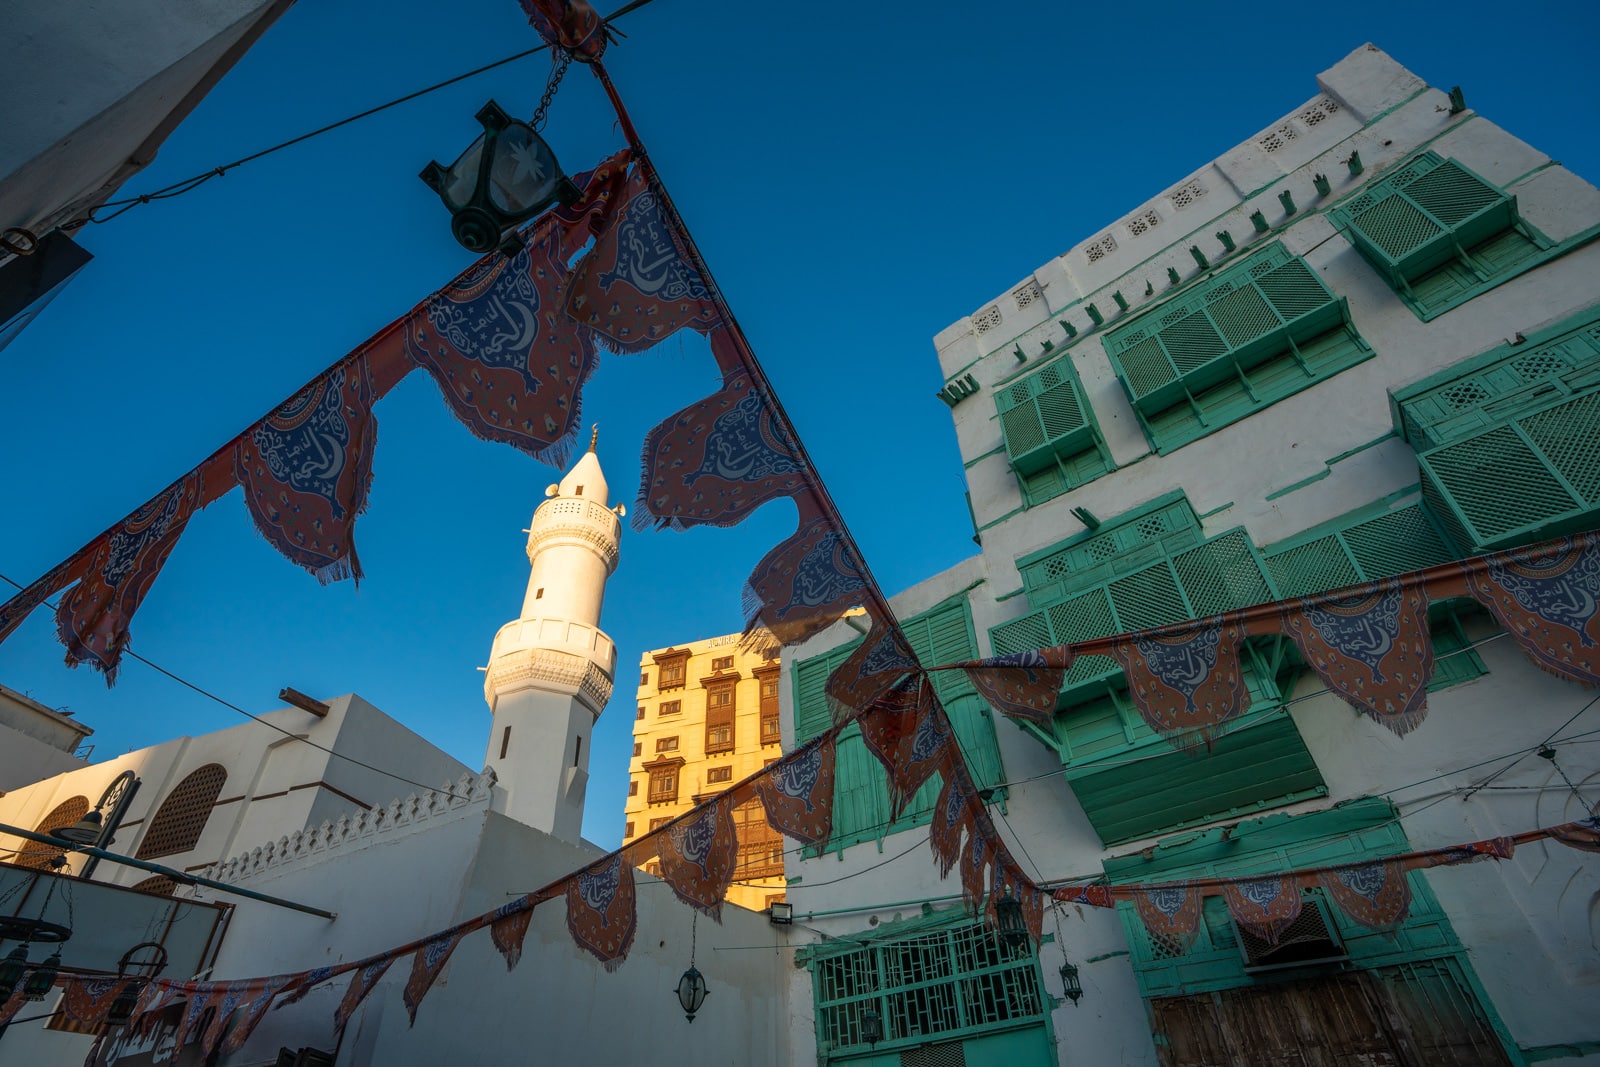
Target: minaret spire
x: 550, y: 671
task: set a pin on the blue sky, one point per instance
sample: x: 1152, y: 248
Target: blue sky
x: 856, y: 186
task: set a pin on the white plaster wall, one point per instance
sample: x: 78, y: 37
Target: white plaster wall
x: 559, y: 1002
x: 92, y: 89
x: 25, y: 760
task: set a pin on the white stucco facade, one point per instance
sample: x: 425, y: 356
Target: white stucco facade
x: 36, y: 741
x: 1529, y: 926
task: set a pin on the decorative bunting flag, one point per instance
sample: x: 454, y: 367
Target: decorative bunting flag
x: 881, y: 659
x: 14, y: 610
x: 1186, y: 681
x: 806, y: 583
x: 426, y: 963
x: 699, y: 853
x: 13, y: 1004
x: 306, y: 470
x: 509, y: 928
x: 1376, y: 895
x: 198, y: 996
x: 929, y: 748
x: 569, y: 25
x: 797, y: 792
x: 1264, y: 906
x: 601, y: 914
x: 886, y: 729
x: 509, y: 363
x: 975, y: 860
x: 1371, y: 646
x: 87, y: 1000
x: 251, y: 1012
x: 361, y: 984
x: 1493, y: 848
x: 221, y: 1002
x: 716, y: 461
x: 1547, y: 597
x: 635, y: 287
x: 1582, y: 834
x: 302, y: 984
x: 1023, y: 685
x: 92, y: 619
x: 1096, y: 896
x: 1170, y: 913
x: 1008, y: 877
x: 952, y: 815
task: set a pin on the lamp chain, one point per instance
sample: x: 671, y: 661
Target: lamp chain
x: 558, y: 70
x: 694, y: 933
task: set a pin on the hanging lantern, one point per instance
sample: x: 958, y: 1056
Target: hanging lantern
x: 505, y: 177
x: 691, y: 991
x: 12, y: 968
x: 871, y: 1026
x: 123, y: 1005
x: 86, y: 831
x: 1069, y: 982
x: 43, y: 978
x: 1013, y: 927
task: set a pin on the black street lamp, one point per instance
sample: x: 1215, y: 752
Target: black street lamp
x: 1069, y: 982
x: 96, y: 828
x: 12, y: 968
x: 505, y: 177
x: 691, y: 991
x: 43, y: 977
x: 871, y: 1026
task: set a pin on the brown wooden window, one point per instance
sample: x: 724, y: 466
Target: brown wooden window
x: 37, y: 854
x: 760, y: 846
x: 719, y: 717
x: 670, y: 707
x: 663, y: 780
x: 767, y: 679
x: 656, y: 824
x: 638, y: 748
x: 722, y: 663
x: 627, y: 829
x: 641, y: 712
x: 719, y: 774
x: 671, y: 667
x: 653, y: 867
x: 644, y: 677
x: 633, y: 789
x: 667, y: 744
x: 178, y: 823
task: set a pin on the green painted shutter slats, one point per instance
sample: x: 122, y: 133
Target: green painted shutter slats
x: 1248, y: 314
x: 861, y: 807
x: 1423, y: 215
x: 1087, y: 558
x: 1531, y: 478
x: 1378, y: 547
x: 1043, y: 416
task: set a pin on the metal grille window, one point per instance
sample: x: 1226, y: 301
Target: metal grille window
x: 177, y: 824
x: 944, y: 983
x: 1259, y: 331
x: 40, y: 856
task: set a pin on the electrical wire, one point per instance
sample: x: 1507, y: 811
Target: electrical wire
x: 201, y: 690
x: 178, y: 188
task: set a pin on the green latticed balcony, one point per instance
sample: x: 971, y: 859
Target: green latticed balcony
x: 1246, y: 315
x: 1424, y: 214
x: 1043, y: 416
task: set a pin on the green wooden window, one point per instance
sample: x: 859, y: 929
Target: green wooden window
x: 938, y: 985
x: 1439, y: 233
x: 1050, y: 432
x: 1157, y: 586
x: 943, y: 634
x: 1132, y: 784
x: 1358, y: 830
x: 1261, y: 330
x: 1377, y: 542
x: 1109, y: 549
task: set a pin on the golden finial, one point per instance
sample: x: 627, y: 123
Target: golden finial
x: 594, y: 435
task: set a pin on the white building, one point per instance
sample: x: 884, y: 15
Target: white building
x: 1363, y: 341
x: 36, y: 741
x: 316, y: 809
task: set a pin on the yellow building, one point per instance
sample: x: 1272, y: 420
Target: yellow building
x: 707, y: 718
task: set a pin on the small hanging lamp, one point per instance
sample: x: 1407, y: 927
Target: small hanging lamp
x: 1009, y: 918
x: 12, y: 969
x: 871, y: 1026
x: 505, y: 177
x: 1069, y: 982
x: 692, y: 986
x: 42, y: 978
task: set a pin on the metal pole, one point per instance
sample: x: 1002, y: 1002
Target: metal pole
x: 130, y: 785
x: 155, y: 868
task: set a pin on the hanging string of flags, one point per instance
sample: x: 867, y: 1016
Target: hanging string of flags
x: 510, y: 343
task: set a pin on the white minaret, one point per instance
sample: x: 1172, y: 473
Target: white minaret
x: 550, y: 671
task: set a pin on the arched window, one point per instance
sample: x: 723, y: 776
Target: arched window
x: 177, y: 824
x: 38, y: 855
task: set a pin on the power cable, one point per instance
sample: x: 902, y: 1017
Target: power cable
x: 258, y: 719
x: 188, y: 184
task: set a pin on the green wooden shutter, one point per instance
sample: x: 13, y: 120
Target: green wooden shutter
x: 1533, y: 477
x: 1043, y: 417
x: 1369, y: 548
x: 1248, y: 314
x: 1422, y: 215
